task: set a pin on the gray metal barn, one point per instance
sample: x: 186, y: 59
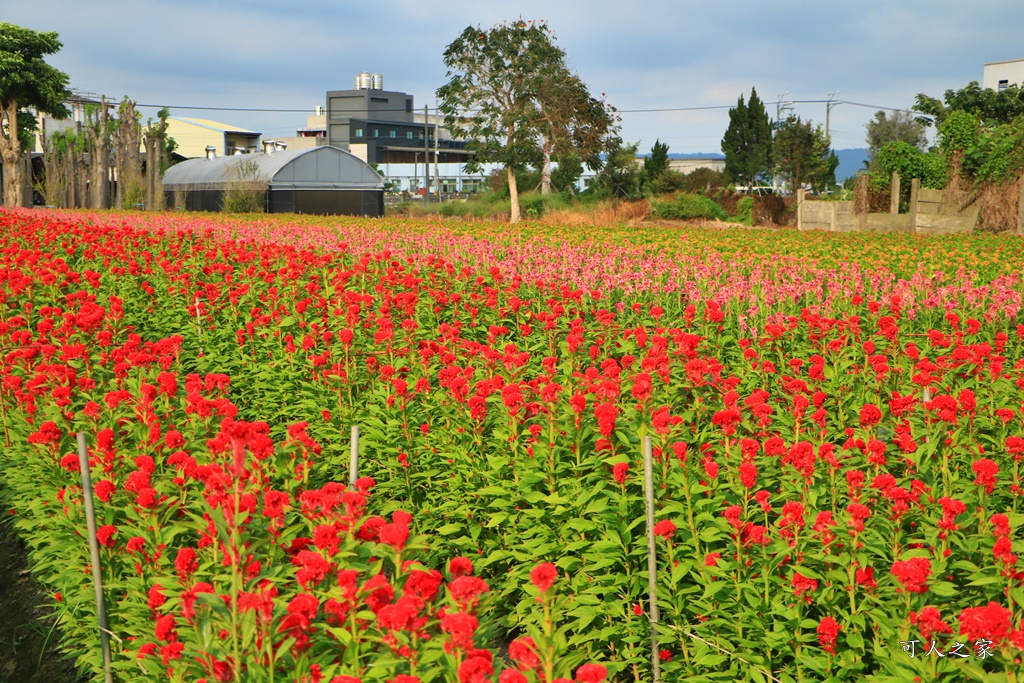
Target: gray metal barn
x: 320, y: 180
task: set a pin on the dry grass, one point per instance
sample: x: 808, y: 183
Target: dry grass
x: 959, y: 192
x: 999, y: 203
x: 999, y: 206
x: 861, y: 194
x: 611, y: 212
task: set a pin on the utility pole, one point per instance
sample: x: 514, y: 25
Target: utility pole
x: 781, y: 107
x: 426, y: 148
x: 828, y: 111
x: 437, y: 144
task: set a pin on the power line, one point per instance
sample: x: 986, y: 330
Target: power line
x: 621, y: 111
x: 644, y: 111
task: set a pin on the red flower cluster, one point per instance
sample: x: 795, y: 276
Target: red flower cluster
x: 828, y: 630
x: 543, y: 576
x: 913, y: 573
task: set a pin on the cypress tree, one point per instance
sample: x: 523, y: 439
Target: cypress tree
x: 747, y: 143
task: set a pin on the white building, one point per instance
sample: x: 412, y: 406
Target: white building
x: 1000, y: 75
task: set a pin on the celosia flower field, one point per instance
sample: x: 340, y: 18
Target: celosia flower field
x: 838, y: 423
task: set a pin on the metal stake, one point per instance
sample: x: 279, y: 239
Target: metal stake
x: 652, y: 562
x: 94, y: 551
x: 353, y: 458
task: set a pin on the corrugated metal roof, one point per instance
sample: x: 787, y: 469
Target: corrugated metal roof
x: 321, y: 167
x: 214, y: 125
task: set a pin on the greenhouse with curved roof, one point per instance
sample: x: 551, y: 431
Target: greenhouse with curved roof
x: 320, y: 180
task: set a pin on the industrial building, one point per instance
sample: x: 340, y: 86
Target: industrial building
x: 411, y: 148
x: 320, y: 180
x: 195, y: 135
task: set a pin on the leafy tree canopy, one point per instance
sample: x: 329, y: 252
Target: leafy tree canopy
x: 620, y: 177
x: 26, y: 81
x: 25, y: 78
x: 512, y: 96
x: 900, y: 126
x: 980, y: 131
x: 909, y: 162
x: 990, y: 107
x: 803, y: 156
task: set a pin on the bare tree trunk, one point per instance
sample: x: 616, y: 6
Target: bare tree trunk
x: 545, y: 174
x: 126, y: 155
x: 149, y: 141
x: 10, y: 153
x: 513, y: 193
x: 99, y: 137
x: 154, y: 138
x: 26, y: 181
x: 79, y: 171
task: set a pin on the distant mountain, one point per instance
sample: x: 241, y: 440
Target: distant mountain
x: 695, y: 155
x: 851, y: 161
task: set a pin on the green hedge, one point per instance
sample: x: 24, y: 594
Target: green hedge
x: 687, y: 206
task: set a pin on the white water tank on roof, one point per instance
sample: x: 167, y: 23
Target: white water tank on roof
x: 364, y: 81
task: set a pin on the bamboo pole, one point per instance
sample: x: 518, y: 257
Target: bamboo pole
x: 353, y: 456
x: 94, y: 551
x: 652, y: 562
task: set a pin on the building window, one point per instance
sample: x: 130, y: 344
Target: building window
x: 359, y: 132
x: 408, y: 106
x: 394, y: 133
x: 379, y: 100
x: 376, y: 132
x: 1003, y: 85
x: 408, y: 134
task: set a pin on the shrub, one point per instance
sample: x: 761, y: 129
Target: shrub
x: 536, y: 205
x: 688, y: 206
x: 771, y: 209
x: 246, y: 192
x: 744, y: 211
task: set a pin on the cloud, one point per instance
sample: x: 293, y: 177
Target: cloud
x: 649, y: 54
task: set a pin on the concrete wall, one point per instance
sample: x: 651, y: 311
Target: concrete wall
x: 927, y: 215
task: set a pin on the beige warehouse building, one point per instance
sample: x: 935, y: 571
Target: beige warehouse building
x: 194, y: 136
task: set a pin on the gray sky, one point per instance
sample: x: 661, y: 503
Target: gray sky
x: 648, y: 54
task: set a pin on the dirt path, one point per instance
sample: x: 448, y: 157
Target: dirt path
x: 28, y: 649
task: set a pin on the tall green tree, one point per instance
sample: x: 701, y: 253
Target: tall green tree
x: 574, y: 125
x: 900, y: 126
x: 980, y: 131
x: 657, y: 162
x: 747, y: 143
x: 990, y: 107
x: 26, y: 81
x: 621, y: 177
x: 511, y: 95
x: 802, y: 155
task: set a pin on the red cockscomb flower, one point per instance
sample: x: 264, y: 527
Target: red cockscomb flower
x: 991, y: 622
x: 913, y: 573
x: 985, y: 471
x: 665, y: 529
x: 619, y: 471
x: 591, y: 673
x: 105, y: 535
x: 828, y: 630
x: 544, y: 576
x: 523, y: 651
x: 460, y: 566
x: 929, y: 622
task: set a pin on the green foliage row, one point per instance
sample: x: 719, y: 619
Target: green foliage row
x: 686, y: 206
x: 909, y: 162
